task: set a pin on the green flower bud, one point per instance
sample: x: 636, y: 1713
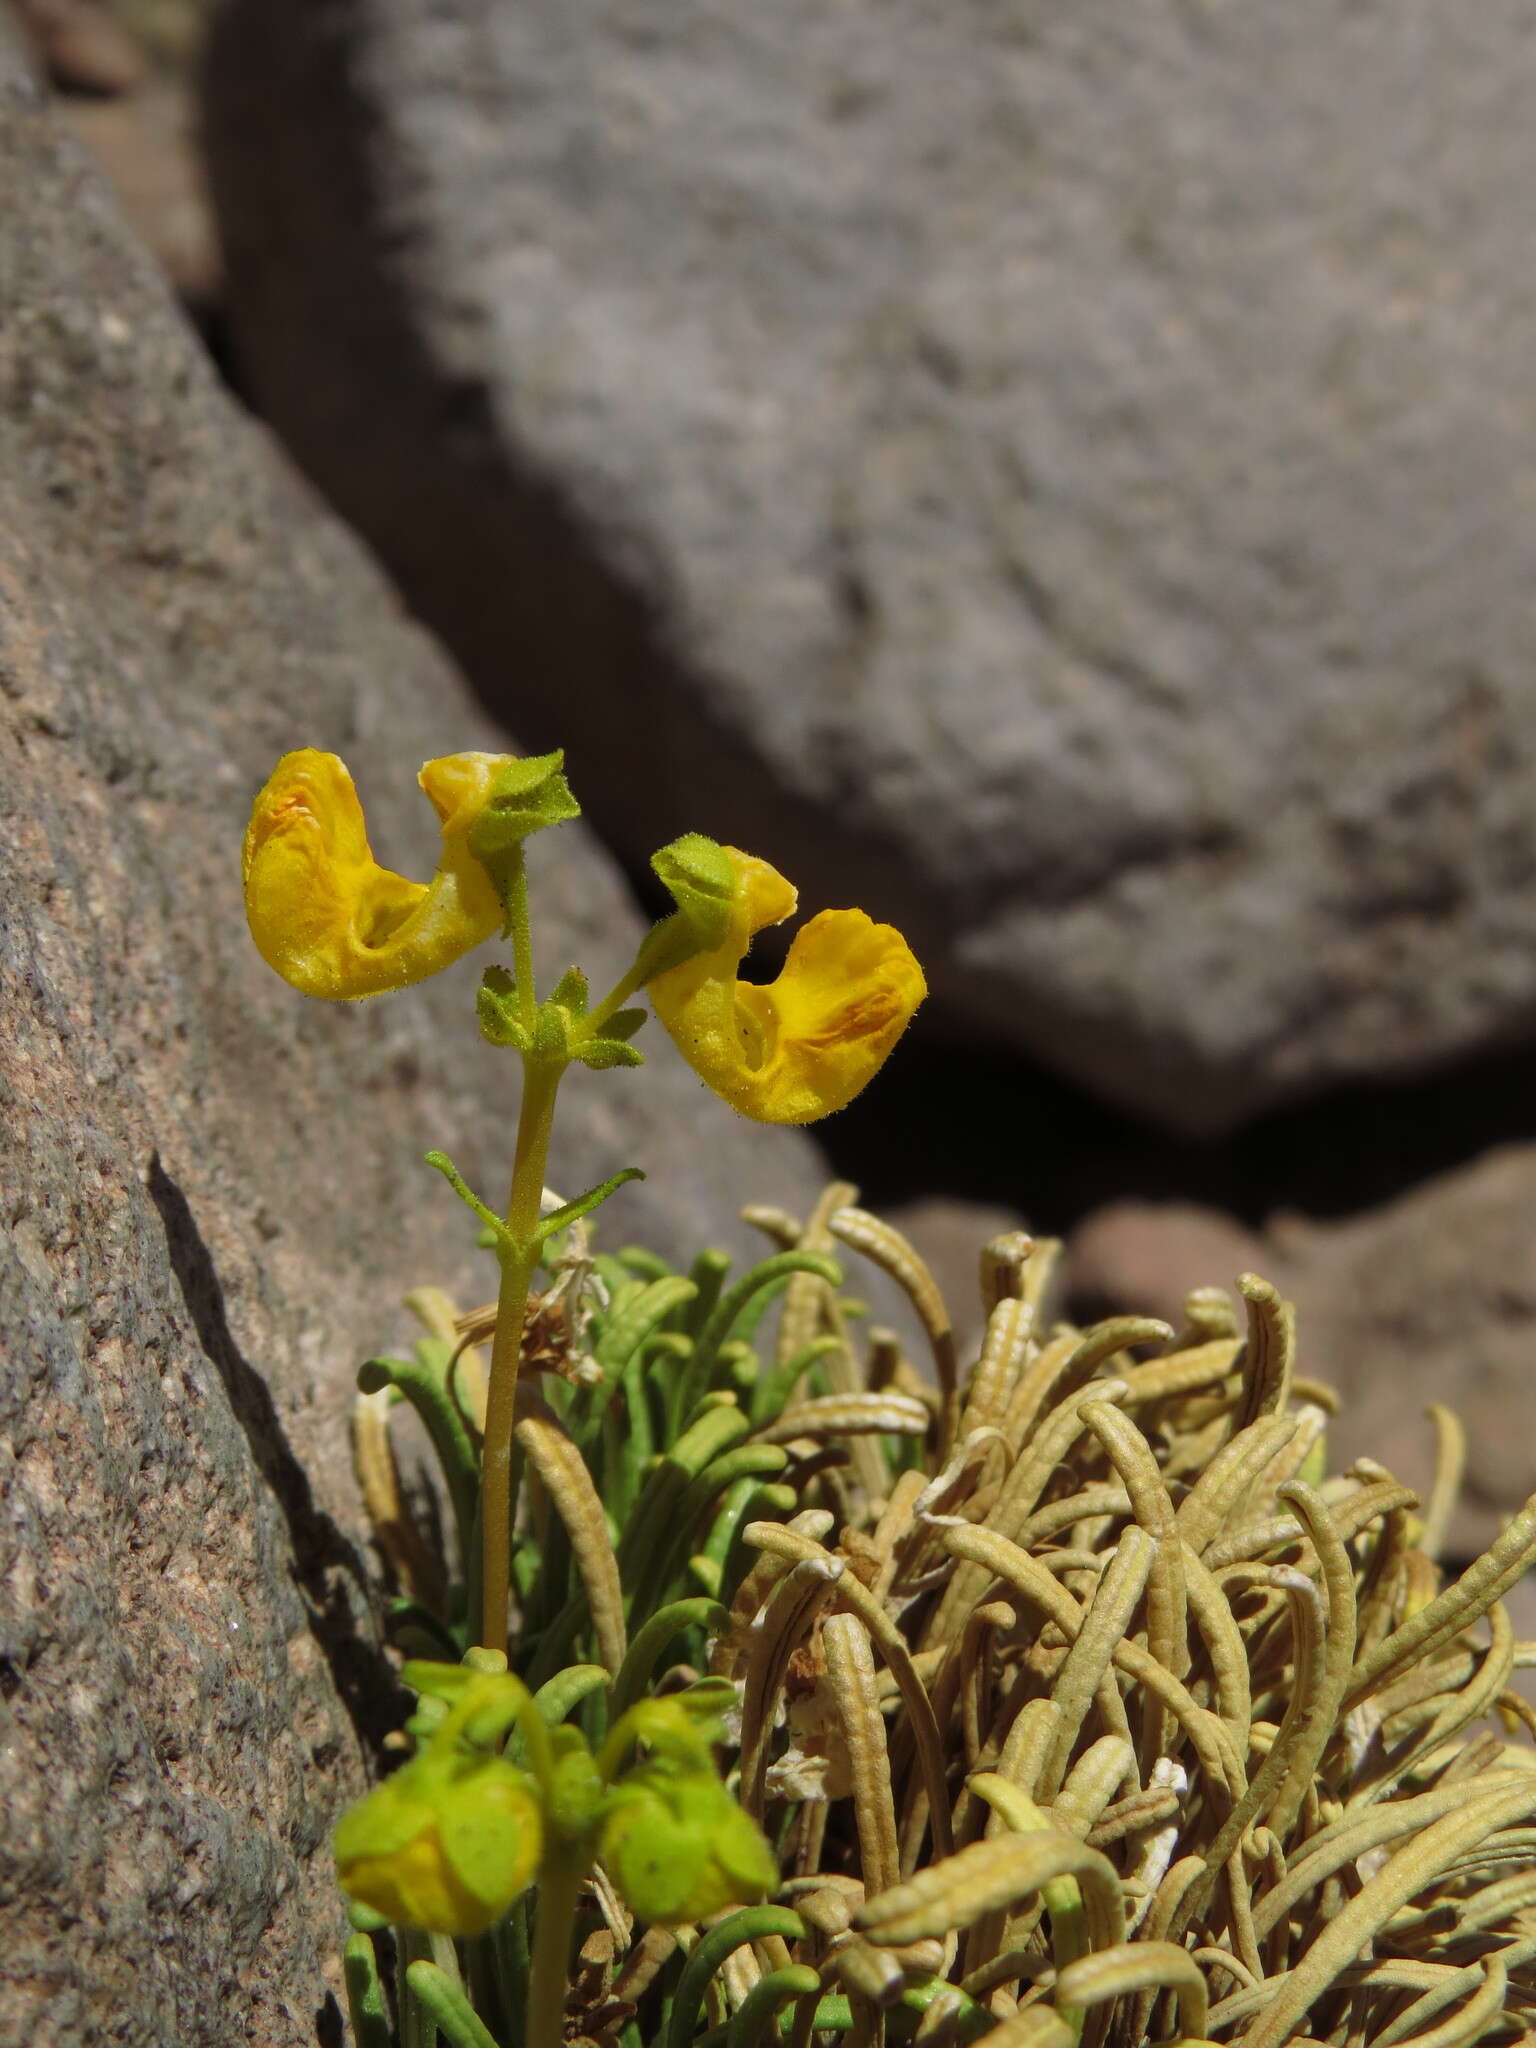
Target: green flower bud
x: 446, y: 1844
x: 679, y: 1847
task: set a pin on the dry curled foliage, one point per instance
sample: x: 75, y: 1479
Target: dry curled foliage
x: 1109, y: 1716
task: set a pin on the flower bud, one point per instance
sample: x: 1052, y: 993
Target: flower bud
x: 446, y: 1844
x: 679, y: 1847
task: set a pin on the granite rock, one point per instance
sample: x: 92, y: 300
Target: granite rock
x: 211, y: 1193
x: 1059, y: 475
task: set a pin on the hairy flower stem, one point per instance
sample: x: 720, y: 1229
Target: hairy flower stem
x: 560, y: 1882
x: 519, y: 1258
x: 541, y: 1079
x: 520, y: 931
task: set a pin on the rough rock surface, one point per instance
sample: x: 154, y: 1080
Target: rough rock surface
x: 1429, y: 1298
x: 210, y: 1190
x: 1062, y: 474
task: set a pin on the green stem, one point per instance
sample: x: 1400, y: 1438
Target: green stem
x: 560, y: 1881
x: 762, y: 2003
x: 752, y: 1923
x: 592, y: 1024
x: 520, y: 931
x: 541, y: 1080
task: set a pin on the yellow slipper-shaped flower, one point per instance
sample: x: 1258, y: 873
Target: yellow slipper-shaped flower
x: 804, y: 1045
x: 323, y: 912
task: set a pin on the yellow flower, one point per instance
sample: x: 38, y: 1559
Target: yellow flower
x: 323, y: 912
x: 445, y: 1845
x: 806, y: 1044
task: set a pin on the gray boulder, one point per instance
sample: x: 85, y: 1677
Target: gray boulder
x: 1060, y: 475
x: 210, y: 1189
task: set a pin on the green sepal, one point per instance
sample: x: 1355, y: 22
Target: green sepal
x: 552, y: 1031
x: 496, y: 1697
x: 526, y: 796
x: 497, y: 1008
x: 698, y: 876
x: 602, y: 1053
x: 450, y: 1682
x: 624, y: 1023
x: 570, y: 992
x: 583, y: 1205
x: 477, y: 1841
